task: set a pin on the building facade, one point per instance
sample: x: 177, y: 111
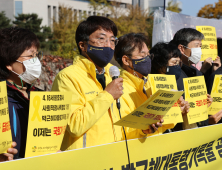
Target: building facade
x: 152, y: 5
x: 48, y: 9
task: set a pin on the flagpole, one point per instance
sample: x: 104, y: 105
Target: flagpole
x: 164, y: 7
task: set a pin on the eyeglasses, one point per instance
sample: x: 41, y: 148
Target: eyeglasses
x: 35, y: 56
x: 151, y: 56
x: 102, y: 41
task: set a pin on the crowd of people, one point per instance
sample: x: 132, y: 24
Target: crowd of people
x: 94, y: 93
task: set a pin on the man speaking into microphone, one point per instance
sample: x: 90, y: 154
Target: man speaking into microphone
x: 93, y: 108
x: 94, y: 93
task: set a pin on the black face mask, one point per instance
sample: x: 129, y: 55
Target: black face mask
x: 101, y: 56
x: 174, y: 70
x: 142, y: 66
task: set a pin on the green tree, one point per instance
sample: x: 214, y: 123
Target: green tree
x: 174, y: 7
x: 64, y: 31
x: 33, y: 23
x: 132, y: 19
x: 4, y: 21
x: 211, y: 11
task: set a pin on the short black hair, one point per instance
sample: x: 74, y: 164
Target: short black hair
x: 90, y: 25
x: 162, y: 53
x: 127, y: 44
x: 186, y: 35
x: 13, y: 42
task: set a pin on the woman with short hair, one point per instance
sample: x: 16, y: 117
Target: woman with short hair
x: 19, y: 66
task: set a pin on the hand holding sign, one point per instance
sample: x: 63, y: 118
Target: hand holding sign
x: 184, y: 105
x: 216, y: 63
x: 209, y: 100
x: 10, y: 153
x: 214, y: 119
x: 206, y: 65
x: 154, y: 127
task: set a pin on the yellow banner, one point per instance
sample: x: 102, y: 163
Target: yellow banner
x: 151, y: 111
x: 48, y: 117
x: 216, y: 94
x: 196, y: 94
x: 209, y: 43
x: 196, y: 149
x: 5, y: 128
x: 166, y: 82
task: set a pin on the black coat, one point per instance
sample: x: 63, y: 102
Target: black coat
x: 18, y: 114
x: 186, y: 72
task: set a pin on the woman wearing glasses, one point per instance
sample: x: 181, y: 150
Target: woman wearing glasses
x: 19, y: 67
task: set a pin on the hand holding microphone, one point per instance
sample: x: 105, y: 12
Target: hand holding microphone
x: 115, y: 88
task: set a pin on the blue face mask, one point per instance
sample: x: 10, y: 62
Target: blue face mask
x: 174, y: 70
x: 142, y: 66
x: 101, y: 56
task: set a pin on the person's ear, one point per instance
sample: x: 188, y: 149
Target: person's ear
x: 9, y: 67
x: 181, y: 48
x: 82, y: 46
x: 125, y: 60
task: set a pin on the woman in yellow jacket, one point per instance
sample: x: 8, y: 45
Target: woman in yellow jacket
x: 133, y: 56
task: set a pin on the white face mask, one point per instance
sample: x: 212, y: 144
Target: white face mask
x: 195, y: 55
x: 32, y: 72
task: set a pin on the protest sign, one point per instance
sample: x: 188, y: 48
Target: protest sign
x: 5, y: 128
x: 194, y: 149
x: 48, y: 117
x: 151, y: 111
x: 166, y: 82
x: 209, y: 43
x: 216, y: 94
x: 196, y: 94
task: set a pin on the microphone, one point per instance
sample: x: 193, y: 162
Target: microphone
x: 114, y: 73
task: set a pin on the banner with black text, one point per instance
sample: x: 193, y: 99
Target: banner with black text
x: 199, y: 148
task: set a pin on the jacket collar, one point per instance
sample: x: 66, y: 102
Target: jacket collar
x: 89, y: 66
x: 14, y: 93
x: 134, y: 81
x: 189, y: 70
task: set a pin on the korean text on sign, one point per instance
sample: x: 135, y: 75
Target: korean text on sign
x: 5, y: 128
x: 48, y: 117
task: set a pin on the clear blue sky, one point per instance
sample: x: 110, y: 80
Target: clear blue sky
x: 191, y: 7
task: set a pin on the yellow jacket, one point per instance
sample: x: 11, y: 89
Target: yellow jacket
x: 132, y: 98
x: 93, y: 110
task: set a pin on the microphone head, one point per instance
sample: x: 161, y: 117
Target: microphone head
x: 114, y: 71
